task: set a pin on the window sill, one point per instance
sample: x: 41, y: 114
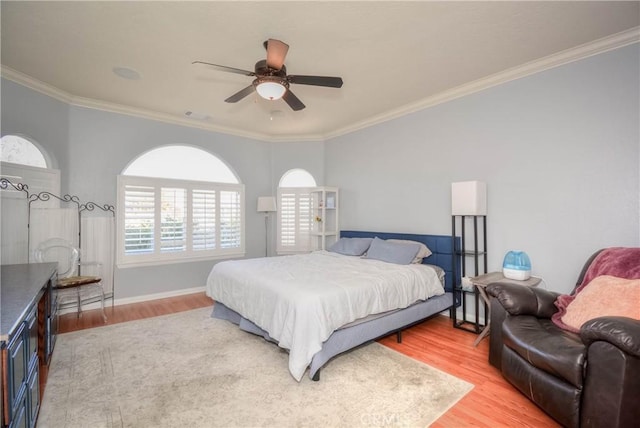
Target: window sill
x: 146, y: 263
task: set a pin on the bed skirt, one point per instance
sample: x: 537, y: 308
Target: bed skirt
x: 355, y: 334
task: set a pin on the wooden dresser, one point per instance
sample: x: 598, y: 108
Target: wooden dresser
x: 28, y: 327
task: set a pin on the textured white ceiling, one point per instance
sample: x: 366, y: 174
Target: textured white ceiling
x: 390, y: 54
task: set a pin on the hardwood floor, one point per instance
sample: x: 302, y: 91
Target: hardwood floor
x: 493, y: 402
x: 135, y: 311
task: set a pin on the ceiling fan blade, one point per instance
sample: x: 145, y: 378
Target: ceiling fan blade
x: 227, y: 69
x: 240, y: 95
x: 293, y: 101
x: 332, y: 82
x: 276, y: 52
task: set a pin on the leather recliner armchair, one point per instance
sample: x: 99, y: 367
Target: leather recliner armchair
x: 590, y: 379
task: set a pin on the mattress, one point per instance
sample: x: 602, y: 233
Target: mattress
x: 301, y: 300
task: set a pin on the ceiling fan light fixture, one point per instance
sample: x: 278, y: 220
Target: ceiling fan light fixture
x: 272, y: 82
x: 270, y: 90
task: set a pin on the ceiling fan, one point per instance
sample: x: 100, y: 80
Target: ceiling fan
x: 272, y: 81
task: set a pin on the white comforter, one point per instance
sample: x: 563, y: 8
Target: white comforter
x: 300, y: 300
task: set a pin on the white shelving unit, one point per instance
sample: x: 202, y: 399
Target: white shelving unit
x: 325, y: 230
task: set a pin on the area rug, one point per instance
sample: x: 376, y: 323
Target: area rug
x: 190, y: 370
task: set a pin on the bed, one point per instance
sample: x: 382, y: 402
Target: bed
x: 306, y: 304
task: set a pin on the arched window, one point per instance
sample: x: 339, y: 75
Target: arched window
x: 297, y: 178
x: 24, y: 162
x: 295, y: 219
x: 19, y: 150
x: 181, y: 163
x: 179, y: 203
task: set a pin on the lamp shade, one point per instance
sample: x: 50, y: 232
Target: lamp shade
x: 266, y: 204
x: 270, y: 90
x: 469, y: 198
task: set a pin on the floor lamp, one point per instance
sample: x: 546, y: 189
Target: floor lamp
x: 266, y: 205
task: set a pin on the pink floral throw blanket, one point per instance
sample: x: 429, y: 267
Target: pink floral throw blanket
x: 619, y: 262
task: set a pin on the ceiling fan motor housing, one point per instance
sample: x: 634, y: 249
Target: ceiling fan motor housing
x: 262, y: 69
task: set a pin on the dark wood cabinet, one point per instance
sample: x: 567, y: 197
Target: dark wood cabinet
x: 16, y: 369
x: 31, y: 334
x: 33, y: 392
x: 47, y: 321
x: 29, y: 323
x: 19, y: 419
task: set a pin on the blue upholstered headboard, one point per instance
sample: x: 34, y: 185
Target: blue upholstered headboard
x: 440, y: 245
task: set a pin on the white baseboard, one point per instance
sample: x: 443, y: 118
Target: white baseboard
x: 156, y: 296
x: 135, y: 299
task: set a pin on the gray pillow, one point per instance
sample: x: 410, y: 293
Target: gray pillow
x: 392, y: 252
x: 423, y: 252
x: 351, y: 246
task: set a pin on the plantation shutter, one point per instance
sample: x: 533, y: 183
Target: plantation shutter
x: 287, y: 221
x: 173, y: 219
x: 139, y: 219
x: 204, y: 219
x: 305, y: 221
x: 167, y: 219
x: 230, y: 219
x: 294, y: 220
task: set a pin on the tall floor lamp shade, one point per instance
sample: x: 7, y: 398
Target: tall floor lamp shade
x: 266, y: 205
x: 469, y: 198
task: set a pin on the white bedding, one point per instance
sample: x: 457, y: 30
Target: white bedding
x: 300, y: 300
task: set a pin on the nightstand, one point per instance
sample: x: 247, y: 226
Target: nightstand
x: 481, y: 283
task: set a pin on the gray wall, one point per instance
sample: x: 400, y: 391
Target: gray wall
x: 308, y: 155
x: 559, y: 151
x: 42, y: 119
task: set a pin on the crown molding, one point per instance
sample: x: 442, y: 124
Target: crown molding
x: 586, y: 50
x: 90, y: 103
x: 38, y: 86
x: 94, y: 104
x: 183, y: 121
x: 191, y: 123
x: 53, y: 92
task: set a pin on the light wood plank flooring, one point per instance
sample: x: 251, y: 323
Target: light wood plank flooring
x: 493, y: 402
